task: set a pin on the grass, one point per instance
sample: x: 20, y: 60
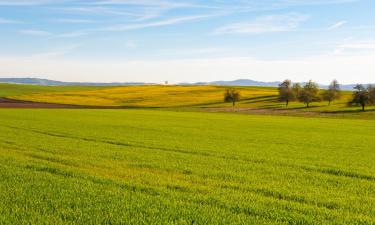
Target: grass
x: 165, y: 167
x: 9, y: 90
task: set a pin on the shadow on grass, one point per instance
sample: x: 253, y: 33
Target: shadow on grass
x: 348, y: 111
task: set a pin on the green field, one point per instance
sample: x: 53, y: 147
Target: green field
x: 166, y: 167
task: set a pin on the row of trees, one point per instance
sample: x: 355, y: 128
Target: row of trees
x: 364, y: 96
x: 310, y: 92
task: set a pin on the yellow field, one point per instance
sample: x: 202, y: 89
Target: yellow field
x: 148, y: 96
x: 212, y: 97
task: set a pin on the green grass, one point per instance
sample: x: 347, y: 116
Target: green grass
x: 10, y: 90
x: 164, y: 167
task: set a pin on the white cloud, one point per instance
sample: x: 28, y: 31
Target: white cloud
x: 34, y: 32
x: 355, y: 47
x: 160, y: 23
x: 73, y: 34
x: 128, y: 27
x: 265, y: 24
x: 73, y: 21
x: 7, y: 21
x: 27, y: 2
x: 337, y: 25
x: 131, y: 44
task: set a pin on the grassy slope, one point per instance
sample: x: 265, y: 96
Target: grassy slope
x: 142, y: 167
x: 9, y: 90
x: 196, y: 97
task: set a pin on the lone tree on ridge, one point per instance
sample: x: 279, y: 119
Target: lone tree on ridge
x: 232, y: 95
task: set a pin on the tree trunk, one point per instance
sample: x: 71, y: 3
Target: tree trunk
x: 329, y: 102
x: 287, y: 103
x: 363, y: 107
x: 233, y: 102
x: 307, y: 104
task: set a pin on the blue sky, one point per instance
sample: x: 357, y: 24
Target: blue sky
x: 188, y: 40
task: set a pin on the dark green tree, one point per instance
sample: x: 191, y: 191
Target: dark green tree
x: 309, y: 93
x: 286, y: 93
x: 362, y: 96
x: 296, y: 89
x: 333, y: 92
x: 232, y: 95
x: 371, y: 93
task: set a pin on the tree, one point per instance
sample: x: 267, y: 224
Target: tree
x: 333, y: 92
x: 309, y: 93
x: 286, y: 93
x: 371, y: 93
x: 296, y: 89
x: 232, y: 95
x: 362, y: 96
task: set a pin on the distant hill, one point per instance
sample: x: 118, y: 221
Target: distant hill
x: 240, y: 82
x: 246, y: 82
x: 46, y: 82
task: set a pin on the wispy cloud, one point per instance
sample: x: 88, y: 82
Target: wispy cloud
x: 147, y: 3
x: 27, y: 2
x: 265, y: 24
x: 355, y: 46
x: 73, y: 34
x: 96, y: 10
x: 35, y: 32
x: 269, y: 5
x: 160, y: 23
x: 338, y: 25
x: 134, y: 26
x: 131, y: 44
x: 7, y: 21
x: 365, y: 45
x: 73, y: 21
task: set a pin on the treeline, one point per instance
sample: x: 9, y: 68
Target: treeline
x: 310, y: 92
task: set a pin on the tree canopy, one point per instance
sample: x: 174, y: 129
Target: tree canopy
x: 286, y: 93
x: 363, y: 96
x: 309, y: 93
x: 333, y: 92
x: 232, y: 95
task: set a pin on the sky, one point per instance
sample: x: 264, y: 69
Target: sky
x: 188, y: 40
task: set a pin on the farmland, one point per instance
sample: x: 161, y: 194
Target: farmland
x: 149, y: 166
x: 179, y: 155
x: 8, y: 90
x: 254, y: 100
x: 147, y: 96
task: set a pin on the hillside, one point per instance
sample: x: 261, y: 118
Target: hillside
x: 258, y: 100
x: 239, y: 82
x: 8, y: 90
x: 46, y: 82
x: 149, y: 96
